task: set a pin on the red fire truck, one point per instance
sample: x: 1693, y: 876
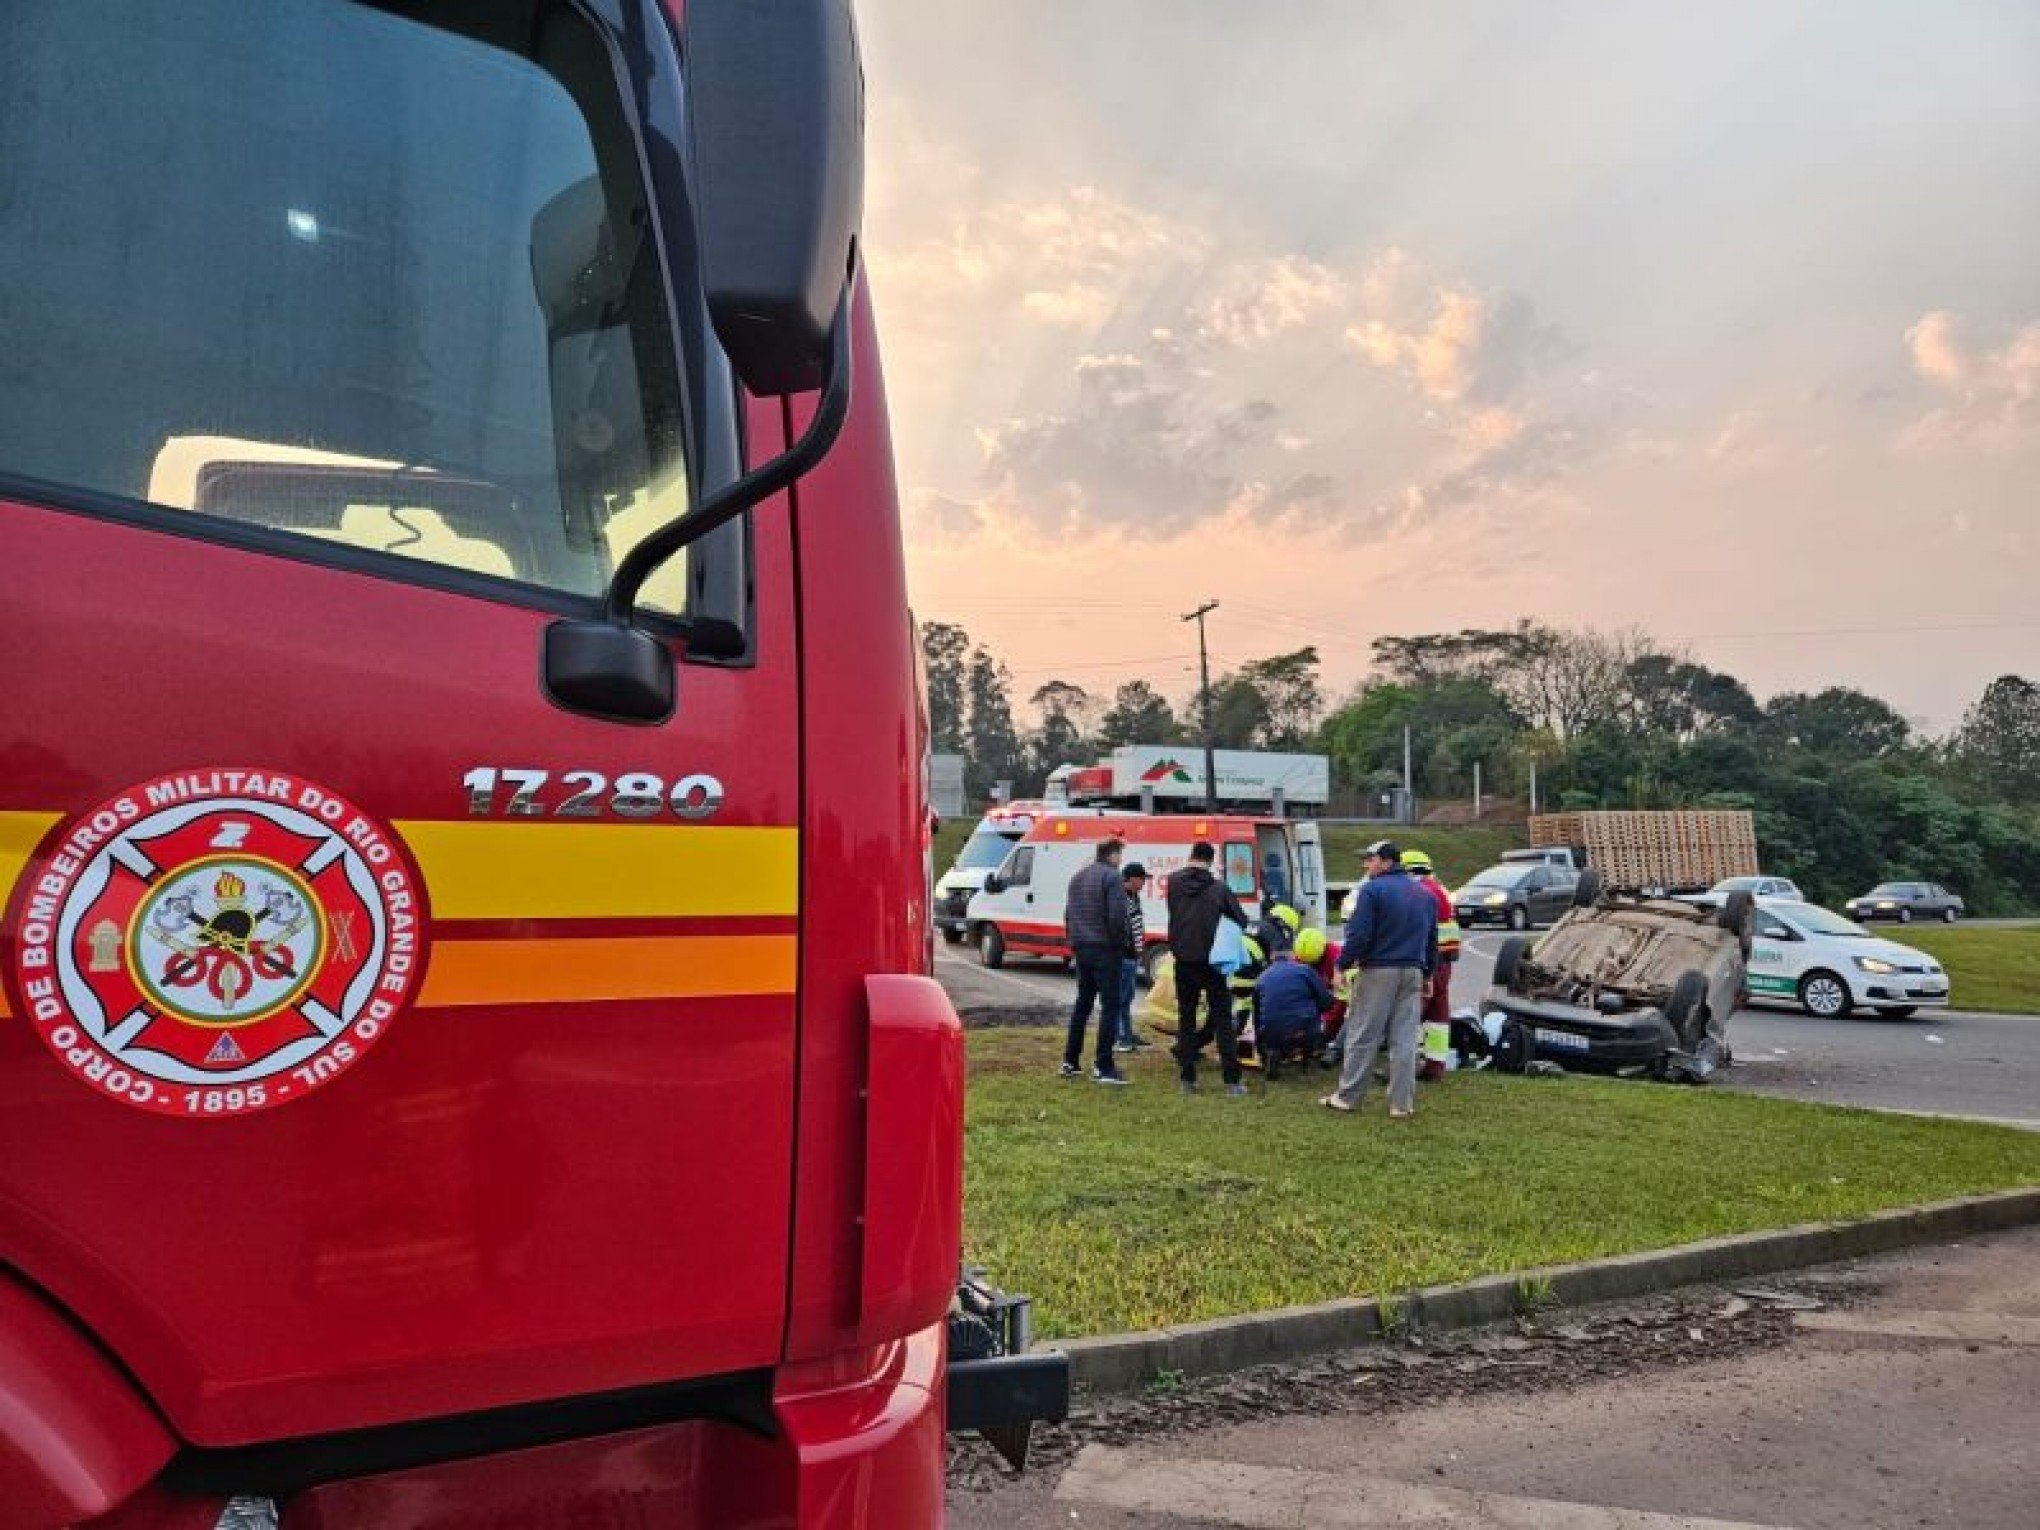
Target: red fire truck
x: 463, y: 1061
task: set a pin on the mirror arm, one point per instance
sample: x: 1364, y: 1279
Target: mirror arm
x: 733, y: 499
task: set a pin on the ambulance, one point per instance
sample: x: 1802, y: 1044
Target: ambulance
x: 996, y: 834
x: 1020, y: 910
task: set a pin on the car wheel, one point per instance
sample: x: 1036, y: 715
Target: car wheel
x: 1905, y: 916
x: 1586, y: 889
x: 1947, y: 916
x: 1687, y: 1008
x: 1519, y: 918
x: 1507, y: 960
x: 1900, y: 1011
x: 1824, y: 996
x: 954, y: 937
x: 991, y: 946
x: 1516, y: 1047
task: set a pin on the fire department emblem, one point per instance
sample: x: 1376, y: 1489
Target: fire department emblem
x: 217, y: 942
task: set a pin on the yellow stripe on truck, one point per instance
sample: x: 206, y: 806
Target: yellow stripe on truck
x: 603, y: 870
x: 20, y: 833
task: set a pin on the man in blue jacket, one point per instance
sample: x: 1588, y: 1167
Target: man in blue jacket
x: 1392, y: 938
x: 1290, y: 1001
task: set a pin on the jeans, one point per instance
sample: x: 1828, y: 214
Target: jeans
x: 1129, y: 982
x: 1193, y: 979
x: 1097, y: 982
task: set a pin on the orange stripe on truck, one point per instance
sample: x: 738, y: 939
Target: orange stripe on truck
x: 465, y: 972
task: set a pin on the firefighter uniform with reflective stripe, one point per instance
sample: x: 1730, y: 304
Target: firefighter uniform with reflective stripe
x: 1437, y: 1008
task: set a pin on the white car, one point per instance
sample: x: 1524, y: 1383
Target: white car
x: 1763, y: 889
x: 1829, y: 965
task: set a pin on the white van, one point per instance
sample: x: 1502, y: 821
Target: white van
x: 1019, y: 912
x: 996, y: 834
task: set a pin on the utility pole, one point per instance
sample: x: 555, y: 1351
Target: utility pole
x: 1409, y: 784
x: 1204, y: 705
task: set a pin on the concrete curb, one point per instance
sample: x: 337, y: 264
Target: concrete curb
x: 1126, y: 1361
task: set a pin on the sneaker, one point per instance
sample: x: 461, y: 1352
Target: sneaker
x: 1186, y: 1085
x: 1236, y: 1091
x: 1071, y: 1070
x: 1098, y: 1076
x: 1333, y: 1102
x: 1400, y: 1115
x: 1138, y: 1045
x: 1122, y: 1046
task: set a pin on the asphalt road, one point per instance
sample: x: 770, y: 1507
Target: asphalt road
x: 1953, y: 1063
x: 1906, y: 1398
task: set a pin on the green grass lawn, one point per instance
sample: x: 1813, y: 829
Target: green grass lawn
x: 1996, y: 968
x: 1136, y: 1208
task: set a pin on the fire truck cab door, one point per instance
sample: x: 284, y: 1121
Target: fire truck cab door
x: 381, y: 1041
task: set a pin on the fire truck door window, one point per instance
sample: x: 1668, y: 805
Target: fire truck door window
x: 339, y: 273
x: 1239, y: 868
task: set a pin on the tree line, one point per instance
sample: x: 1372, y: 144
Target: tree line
x: 1844, y: 790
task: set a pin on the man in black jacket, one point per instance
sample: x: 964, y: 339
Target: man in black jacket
x: 1197, y: 901
x: 1094, y: 920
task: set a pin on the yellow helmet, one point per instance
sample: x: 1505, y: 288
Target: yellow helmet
x: 1415, y: 860
x: 1288, y: 916
x: 1310, y: 946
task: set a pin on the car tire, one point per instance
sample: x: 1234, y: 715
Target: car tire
x: 1738, y: 914
x: 1587, y: 889
x: 1735, y: 909
x: 1949, y: 916
x: 1905, y: 916
x: 1900, y: 1011
x: 1824, y: 995
x: 953, y: 937
x: 1519, y: 918
x: 991, y: 946
x: 1687, y: 1008
x: 1516, y: 1047
x: 1508, y: 960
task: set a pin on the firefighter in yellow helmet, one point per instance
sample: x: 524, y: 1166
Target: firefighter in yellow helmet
x: 1438, y: 1005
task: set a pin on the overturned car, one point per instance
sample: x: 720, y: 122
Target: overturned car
x: 1625, y: 984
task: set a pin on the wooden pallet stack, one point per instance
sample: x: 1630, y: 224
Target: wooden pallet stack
x: 1683, y: 850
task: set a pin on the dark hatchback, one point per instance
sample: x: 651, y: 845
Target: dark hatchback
x: 1516, y: 895
x: 1903, y: 902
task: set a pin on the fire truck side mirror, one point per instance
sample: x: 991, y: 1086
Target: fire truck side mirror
x: 601, y: 669
x: 776, y: 111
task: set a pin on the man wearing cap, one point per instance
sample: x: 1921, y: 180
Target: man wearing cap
x: 1392, y: 938
x: 1133, y: 876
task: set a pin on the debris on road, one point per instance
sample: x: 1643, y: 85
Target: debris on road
x: 1547, y: 1350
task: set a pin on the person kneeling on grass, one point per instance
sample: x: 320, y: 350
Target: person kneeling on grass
x: 1290, y: 1000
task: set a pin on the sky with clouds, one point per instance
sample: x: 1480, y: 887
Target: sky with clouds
x: 1718, y: 319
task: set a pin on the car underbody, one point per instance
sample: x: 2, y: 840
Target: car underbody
x: 1627, y: 985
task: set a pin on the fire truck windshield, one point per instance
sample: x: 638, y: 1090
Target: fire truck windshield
x: 383, y: 285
